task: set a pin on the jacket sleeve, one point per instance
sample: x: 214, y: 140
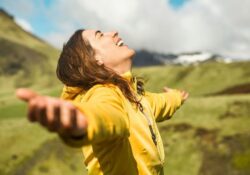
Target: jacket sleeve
x: 106, y: 117
x: 165, y: 104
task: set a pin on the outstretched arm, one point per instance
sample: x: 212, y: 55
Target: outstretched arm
x: 56, y: 115
x: 184, y: 94
x: 101, y: 117
x: 165, y: 104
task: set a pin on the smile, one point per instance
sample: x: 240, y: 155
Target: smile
x: 120, y: 43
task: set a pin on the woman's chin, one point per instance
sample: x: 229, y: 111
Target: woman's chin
x: 132, y: 53
x: 127, y: 54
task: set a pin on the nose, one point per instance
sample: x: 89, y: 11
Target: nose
x: 115, y: 33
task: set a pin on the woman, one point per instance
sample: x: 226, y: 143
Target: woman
x: 104, y: 109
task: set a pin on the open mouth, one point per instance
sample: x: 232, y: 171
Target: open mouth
x: 120, y: 43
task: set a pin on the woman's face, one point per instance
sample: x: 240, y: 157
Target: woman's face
x: 110, y: 50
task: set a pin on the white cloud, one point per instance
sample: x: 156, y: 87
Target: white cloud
x: 200, y: 25
x: 25, y: 8
x: 24, y: 24
x: 57, y: 39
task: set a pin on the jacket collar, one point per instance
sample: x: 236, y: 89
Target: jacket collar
x: 70, y: 93
x: 132, y: 80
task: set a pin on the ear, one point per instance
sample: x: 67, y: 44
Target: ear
x: 99, y: 60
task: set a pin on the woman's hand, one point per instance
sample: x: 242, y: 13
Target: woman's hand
x: 56, y: 115
x: 184, y: 94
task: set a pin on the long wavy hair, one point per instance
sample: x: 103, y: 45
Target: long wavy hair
x: 77, y: 67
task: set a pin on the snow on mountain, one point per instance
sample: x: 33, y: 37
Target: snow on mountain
x: 193, y: 57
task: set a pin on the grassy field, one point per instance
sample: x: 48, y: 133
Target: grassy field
x: 25, y: 59
x: 209, y: 135
x: 202, y: 79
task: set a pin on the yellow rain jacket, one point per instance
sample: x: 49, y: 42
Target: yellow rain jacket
x: 119, y: 140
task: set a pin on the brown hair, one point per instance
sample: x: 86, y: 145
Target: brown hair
x: 77, y: 68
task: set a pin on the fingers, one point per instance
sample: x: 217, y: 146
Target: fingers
x: 40, y: 113
x: 68, y: 116
x: 166, y: 89
x: 73, y: 121
x: 32, y: 110
x: 81, y: 120
x: 25, y: 94
x: 81, y: 123
x: 184, y: 95
x: 53, y: 114
x: 57, y: 115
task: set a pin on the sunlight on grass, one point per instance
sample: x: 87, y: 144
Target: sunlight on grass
x: 204, y: 126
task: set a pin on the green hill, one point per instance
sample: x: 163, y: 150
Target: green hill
x: 199, y: 80
x: 24, y: 58
x: 209, y: 135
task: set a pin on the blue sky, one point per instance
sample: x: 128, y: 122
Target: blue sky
x: 37, y: 14
x: 40, y: 20
x: 177, y: 3
x: 157, y: 25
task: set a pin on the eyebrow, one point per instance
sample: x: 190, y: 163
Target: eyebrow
x: 98, y: 31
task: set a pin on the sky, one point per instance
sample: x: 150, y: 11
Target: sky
x: 166, y: 26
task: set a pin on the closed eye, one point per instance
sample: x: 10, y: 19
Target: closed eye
x: 98, y: 34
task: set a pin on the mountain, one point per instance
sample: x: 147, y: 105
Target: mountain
x: 24, y: 58
x: 148, y: 58
x: 209, y: 134
x: 145, y: 58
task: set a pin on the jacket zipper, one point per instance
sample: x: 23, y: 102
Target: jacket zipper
x: 150, y: 125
